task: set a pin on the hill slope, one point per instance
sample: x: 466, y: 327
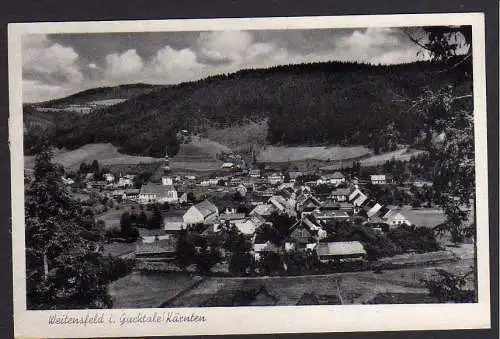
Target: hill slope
x: 310, y: 104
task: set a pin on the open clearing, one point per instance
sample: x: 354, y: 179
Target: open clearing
x: 106, y: 154
x: 298, y: 153
x: 198, y: 155
x: 146, y: 290
x: 426, y: 217
x: 403, y: 154
x: 252, y: 134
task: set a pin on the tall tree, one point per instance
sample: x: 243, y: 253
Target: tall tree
x: 448, y: 113
x: 64, y: 267
x: 156, y: 220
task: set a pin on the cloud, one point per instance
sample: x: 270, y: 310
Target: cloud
x: 51, y: 63
x: 174, y: 64
x: 377, y: 46
x: 48, y: 67
x: 122, y: 66
x: 227, y: 46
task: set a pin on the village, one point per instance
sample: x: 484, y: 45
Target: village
x: 259, y: 221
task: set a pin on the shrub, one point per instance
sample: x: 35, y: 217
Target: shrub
x: 411, y: 238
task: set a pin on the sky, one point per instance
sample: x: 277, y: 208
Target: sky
x: 58, y: 65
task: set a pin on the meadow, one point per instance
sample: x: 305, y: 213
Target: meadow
x: 106, y: 154
x: 298, y: 153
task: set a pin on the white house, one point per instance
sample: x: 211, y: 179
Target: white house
x: 242, y: 190
x: 336, y: 178
x: 275, y: 178
x: 166, y: 181
x: 125, y: 182
x: 340, y: 250
x: 254, y: 173
x: 109, y: 177
x: 203, y: 212
x: 209, y: 182
x: 378, y: 179
x: 340, y: 194
x: 372, y: 211
x: 396, y: 219
x: 67, y: 181
x: 357, y: 198
x: 153, y: 193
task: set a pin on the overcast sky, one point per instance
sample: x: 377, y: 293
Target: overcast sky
x: 58, y: 65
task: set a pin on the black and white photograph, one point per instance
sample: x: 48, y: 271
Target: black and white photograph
x: 260, y: 167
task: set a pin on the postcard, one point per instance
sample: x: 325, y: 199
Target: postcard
x: 249, y: 176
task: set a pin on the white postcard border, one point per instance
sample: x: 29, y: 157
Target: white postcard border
x: 245, y: 320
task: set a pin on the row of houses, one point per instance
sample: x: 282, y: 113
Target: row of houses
x: 312, y: 215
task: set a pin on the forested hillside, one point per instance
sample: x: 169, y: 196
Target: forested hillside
x: 322, y: 103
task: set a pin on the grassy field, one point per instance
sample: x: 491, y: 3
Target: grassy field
x: 106, y: 154
x: 298, y: 153
x: 425, y: 217
x: 350, y: 288
x: 112, y: 216
x: 145, y: 290
x: 119, y: 248
x: 198, y: 155
x: 240, y: 137
x: 402, y: 154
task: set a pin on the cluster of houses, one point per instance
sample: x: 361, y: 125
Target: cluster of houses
x: 312, y: 219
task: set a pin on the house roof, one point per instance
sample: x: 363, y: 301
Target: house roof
x: 232, y: 216
x: 396, y: 215
x: 266, y: 246
x: 330, y: 204
x: 173, y: 225
x: 286, y: 192
x: 310, y: 198
x: 345, y: 205
x: 152, y: 188
x: 150, y: 232
x: 340, y: 248
x: 247, y: 226
x: 162, y: 246
x: 336, y: 175
x: 341, y: 191
x: 278, y: 201
x: 260, y: 238
x: 263, y: 209
x: 206, y: 208
x: 295, y: 174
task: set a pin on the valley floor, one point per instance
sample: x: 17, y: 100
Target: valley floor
x: 401, y: 285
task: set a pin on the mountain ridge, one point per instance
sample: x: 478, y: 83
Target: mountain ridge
x: 335, y: 103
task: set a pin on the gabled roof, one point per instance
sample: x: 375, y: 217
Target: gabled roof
x: 295, y: 174
x: 310, y: 198
x: 396, y: 215
x: 330, y: 204
x: 337, y: 175
x: 162, y: 246
x: 152, y: 188
x: 261, y: 238
x: 232, y: 216
x: 340, y: 248
x: 342, y: 191
x: 206, y: 208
